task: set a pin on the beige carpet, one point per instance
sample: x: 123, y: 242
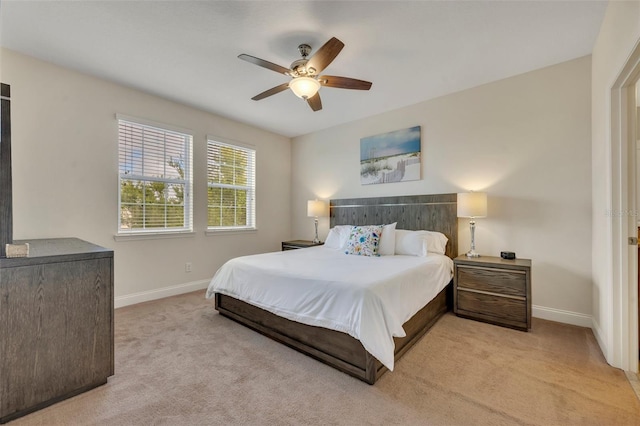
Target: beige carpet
x: 180, y: 363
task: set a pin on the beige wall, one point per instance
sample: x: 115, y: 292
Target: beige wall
x: 65, y: 176
x: 619, y: 35
x: 525, y: 140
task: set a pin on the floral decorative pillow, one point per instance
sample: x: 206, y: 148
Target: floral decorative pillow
x: 364, y: 240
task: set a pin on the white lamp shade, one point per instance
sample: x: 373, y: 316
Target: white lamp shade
x: 316, y: 208
x: 472, y: 204
x: 304, y: 87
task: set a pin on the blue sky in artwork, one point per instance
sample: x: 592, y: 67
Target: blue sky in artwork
x: 403, y: 141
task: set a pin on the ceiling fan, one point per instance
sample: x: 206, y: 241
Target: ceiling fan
x: 305, y: 81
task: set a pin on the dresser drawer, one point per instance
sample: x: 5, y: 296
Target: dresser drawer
x: 493, y: 280
x: 492, y: 307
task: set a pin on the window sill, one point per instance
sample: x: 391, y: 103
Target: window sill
x: 212, y: 232
x: 153, y: 235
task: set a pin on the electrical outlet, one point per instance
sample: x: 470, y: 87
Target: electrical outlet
x: 187, y: 267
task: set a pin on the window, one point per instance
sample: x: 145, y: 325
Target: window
x: 231, y: 186
x: 155, y: 179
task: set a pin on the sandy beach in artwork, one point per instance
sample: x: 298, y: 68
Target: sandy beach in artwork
x: 391, y: 157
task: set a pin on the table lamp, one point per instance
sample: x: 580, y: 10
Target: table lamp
x: 472, y: 205
x: 316, y: 208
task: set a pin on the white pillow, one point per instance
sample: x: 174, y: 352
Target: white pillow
x: 411, y: 243
x: 436, y: 242
x: 333, y: 239
x: 388, y: 240
x: 338, y: 236
x: 419, y: 243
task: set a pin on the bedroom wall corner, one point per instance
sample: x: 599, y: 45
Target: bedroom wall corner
x: 525, y: 140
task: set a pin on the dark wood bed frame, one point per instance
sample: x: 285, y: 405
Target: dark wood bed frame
x: 337, y: 349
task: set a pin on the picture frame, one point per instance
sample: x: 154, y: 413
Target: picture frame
x: 391, y: 157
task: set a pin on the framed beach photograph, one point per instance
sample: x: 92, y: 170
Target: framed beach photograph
x: 391, y: 157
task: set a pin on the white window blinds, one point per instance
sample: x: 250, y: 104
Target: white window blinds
x: 231, y: 186
x: 155, y: 179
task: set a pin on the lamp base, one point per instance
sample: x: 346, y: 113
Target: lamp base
x: 316, y: 240
x: 472, y: 252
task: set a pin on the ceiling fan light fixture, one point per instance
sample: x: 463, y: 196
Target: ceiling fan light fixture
x: 304, y: 87
x: 305, y: 81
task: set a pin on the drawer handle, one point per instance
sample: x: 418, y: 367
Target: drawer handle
x: 490, y: 293
x: 511, y: 271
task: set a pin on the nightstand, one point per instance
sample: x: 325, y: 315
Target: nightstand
x: 298, y: 244
x: 494, y: 290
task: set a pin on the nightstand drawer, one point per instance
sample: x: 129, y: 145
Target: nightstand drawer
x: 493, y: 290
x: 298, y: 244
x: 488, y: 306
x: 492, y: 280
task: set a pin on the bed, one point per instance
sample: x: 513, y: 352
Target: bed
x: 338, y: 347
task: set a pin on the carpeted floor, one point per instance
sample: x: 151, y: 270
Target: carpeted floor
x: 180, y: 363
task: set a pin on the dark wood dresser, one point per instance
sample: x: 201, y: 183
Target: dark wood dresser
x: 493, y: 290
x: 56, y: 324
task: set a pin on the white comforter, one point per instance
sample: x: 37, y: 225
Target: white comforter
x: 367, y: 297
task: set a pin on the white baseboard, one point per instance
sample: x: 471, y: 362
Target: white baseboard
x: 604, y: 347
x: 145, y: 296
x: 558, y: 315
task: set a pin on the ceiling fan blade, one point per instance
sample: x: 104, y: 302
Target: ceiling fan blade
x: 271, y: 91
x: 265, y: 64
x: 314, y: 102
x: 344, y: 82
x: 325, y: 55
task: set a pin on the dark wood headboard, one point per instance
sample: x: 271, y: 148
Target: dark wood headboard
x: 436, y: 212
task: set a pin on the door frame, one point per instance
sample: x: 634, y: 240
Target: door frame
x: 624, y: 134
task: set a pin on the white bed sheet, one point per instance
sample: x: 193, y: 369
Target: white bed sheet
x: 367, y: 297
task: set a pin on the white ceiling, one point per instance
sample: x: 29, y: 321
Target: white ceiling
x: 412, y: 51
